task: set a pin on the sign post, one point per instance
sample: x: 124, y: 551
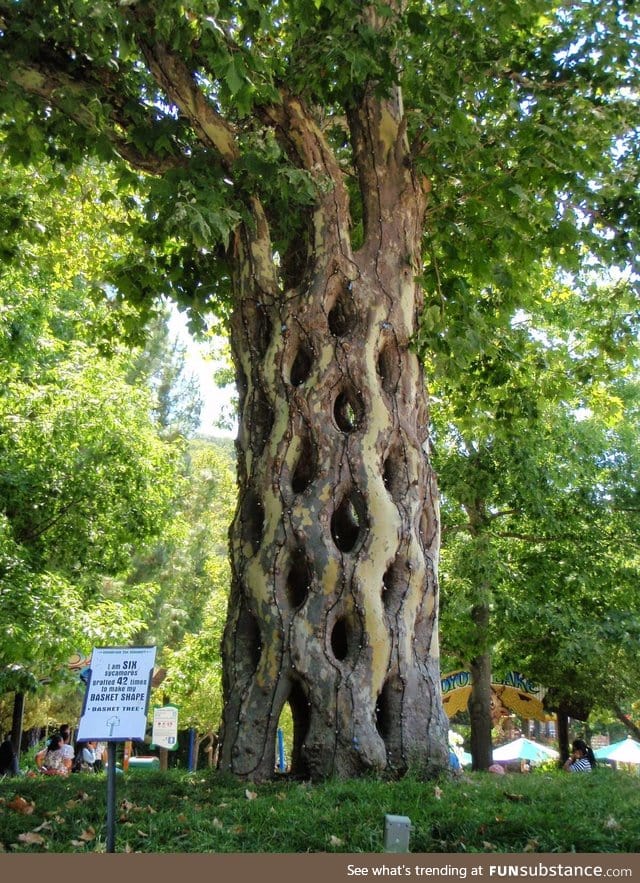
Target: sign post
x: 165, y: 727
x: 115, y: 708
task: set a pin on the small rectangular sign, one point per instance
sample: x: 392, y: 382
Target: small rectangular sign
x: 165, y: 727
x: 117, y: 695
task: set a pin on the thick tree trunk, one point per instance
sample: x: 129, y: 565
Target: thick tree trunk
x: 333, y: 606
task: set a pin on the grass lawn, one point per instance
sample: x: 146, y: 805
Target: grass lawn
x: 206, y: 812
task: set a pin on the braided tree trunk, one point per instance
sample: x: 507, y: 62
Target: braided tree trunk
x: 333, y: 606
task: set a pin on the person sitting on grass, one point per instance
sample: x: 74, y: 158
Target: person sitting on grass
x: 51, y: 760
x: 582, y: 759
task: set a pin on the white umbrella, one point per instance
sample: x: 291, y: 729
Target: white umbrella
x: 524, y: 749
x: 625, y: 751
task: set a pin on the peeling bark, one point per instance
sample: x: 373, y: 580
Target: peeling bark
x: 333, y: 607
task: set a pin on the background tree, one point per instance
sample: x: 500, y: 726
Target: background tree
x: 84, y: 476
x: 528, y: 451
x: 306, y: 163
x: 190, y: 566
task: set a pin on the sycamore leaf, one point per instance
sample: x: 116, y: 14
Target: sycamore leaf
x: 19, y: 804
x: 250, y: 795
x: 88, y: 835
x: 335, y: 841
x: 31, y: 837
x: 437, y: 793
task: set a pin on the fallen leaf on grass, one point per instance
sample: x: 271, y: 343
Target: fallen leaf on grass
x: 514, y: 797
x: 250, y: 795
x: 437, y: 793
x: 612, y: 824
x: 217, y: 824
x: 142, y: 833
x: 335, y: 841
x: 45, y: 826
x: 31, y: 837
x: 532, y: 846
x: 88, y: 835
x: 490, y: 847
x: 19, y: 804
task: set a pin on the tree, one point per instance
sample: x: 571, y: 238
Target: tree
x: 286, y: 185
x: 161, y: 364
x: 191, y: 569
x: 530, y: 469
x: 84, y: 476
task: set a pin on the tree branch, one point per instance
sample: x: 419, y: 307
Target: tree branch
x: 627, y: 721
x: 55, y: 87
x: 532, y: 538
x: 177, y: 82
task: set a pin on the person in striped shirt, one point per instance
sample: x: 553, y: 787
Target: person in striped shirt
x: 582, y: 759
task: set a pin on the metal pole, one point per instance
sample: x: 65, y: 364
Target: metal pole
x: 281, y: 761
x: 111, y: 796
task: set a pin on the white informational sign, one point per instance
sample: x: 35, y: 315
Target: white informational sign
x: 117, y: 695
x: 165, y: 727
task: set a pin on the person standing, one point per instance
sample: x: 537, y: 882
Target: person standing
x: 582, y: 759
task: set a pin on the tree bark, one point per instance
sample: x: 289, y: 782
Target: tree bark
x: 627, y: 721
x: 480, y: 699
x: 563, y: 732
x: 334, y: 547
x: 17, y: 721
